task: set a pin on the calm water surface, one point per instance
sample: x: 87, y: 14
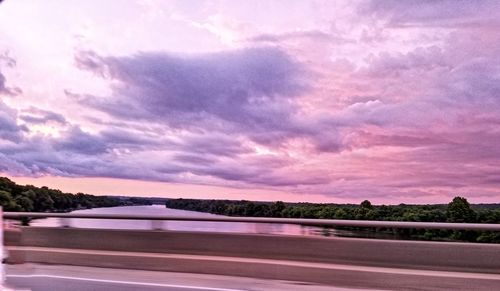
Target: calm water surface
x: 240, y: 227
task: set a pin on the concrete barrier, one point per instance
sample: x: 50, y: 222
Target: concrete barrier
x: 299, y: 272
x: 12, y: 237
x: 462, y: 257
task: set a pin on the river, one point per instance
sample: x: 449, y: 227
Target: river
x: 238, y: 227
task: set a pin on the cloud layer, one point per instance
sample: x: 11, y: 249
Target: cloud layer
x: 395, y: 101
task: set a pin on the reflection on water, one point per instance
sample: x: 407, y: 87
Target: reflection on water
x: 239, y: 227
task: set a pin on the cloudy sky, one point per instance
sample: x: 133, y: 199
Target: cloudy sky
x: 334, y: 101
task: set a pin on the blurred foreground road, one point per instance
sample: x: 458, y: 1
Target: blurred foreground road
x: 340, y: 262
x: 62, y: 278
x: 39, y: 277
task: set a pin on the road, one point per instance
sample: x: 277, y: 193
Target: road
x: 39, y: 277
x: 62, y: 278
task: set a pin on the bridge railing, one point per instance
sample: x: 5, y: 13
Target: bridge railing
x: 296, y: 221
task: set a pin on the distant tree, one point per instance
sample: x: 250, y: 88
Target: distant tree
x: 362, y: 211
x: 29, y: 194
x: 366, y: 204
x: 43, y: 201
x: 341, y: 213
x: 25, y: 203
x: 15, y: 197
x: 459, y: 210
x: 277, y: 208
x: 7, y: 202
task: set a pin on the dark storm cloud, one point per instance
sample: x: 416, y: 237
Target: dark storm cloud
x: 249, y: 90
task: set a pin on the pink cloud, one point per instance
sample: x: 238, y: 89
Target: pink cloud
x: 387, y: 101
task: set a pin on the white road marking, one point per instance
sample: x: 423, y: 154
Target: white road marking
x: 125, y: 282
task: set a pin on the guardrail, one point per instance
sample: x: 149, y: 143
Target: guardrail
x: 295, y: 221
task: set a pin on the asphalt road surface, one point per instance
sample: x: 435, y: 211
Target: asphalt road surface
x: 63, y: 278
x: 39, y: 277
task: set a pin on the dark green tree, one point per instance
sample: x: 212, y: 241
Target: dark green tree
x: 459, y: 210
x: 366, y: 204
x: 277, y: 208
x: 7, y: 202
x: 25, y: 203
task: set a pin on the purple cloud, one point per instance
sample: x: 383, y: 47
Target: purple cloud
x: 389, y: 99
x: 9, y: 129
x: 251, y: 89
x: 9, y: 62
x: 447, y: 13
x: 39, y: 116
x: 316, y: 35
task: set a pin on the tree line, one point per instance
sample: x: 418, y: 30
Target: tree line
x: 14, y: 197
x: 458, y: 210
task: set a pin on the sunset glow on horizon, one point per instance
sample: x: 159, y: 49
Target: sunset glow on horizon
x: 303, y: 101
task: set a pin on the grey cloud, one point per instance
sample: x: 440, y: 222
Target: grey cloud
x: 4, y: 89
x: 250, y: 90
x: 7, y: 60
x: 435, y: 89
x: 39, y: 116
x: 133, y: 139
x: 419, y: 59
x: 251, y: 93
x: 213, y: 144
x: 193, y: 159
x: 79, y: 153
x: 9, y: 129
x: 434, y: 12
x: 251, y: 173
x: 475, y: 81
x: 76, y: 140
x: 118, y: 153
x: 76, y: 153
x: 79, y: 141
x: 11, y: 91
x: 316, y: 35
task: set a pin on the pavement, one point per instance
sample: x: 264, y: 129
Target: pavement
x: 37, y: 277
x: 102, y: 272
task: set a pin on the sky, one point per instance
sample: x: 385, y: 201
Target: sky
x: 315, y: 101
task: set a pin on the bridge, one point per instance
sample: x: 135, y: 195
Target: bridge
x: 157, y: 257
